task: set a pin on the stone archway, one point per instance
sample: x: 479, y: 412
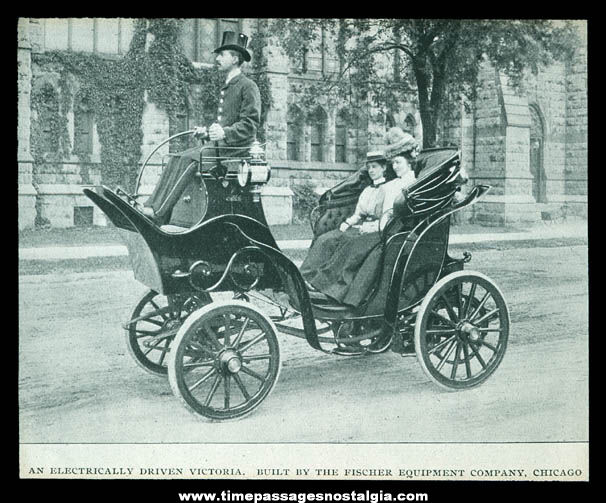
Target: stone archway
x: 410, y: 124
x: 537, y: 146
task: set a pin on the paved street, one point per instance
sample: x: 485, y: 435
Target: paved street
x: 78, y: 383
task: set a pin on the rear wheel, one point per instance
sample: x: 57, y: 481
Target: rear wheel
x: 225, y: 360
x: 461, y: 330
x: 153, y: 326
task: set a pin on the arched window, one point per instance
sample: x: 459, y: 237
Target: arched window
x: 317, y: 121
x: 83, y: 126
x: 294, y: 133
x: 537, y: 170
x: 48, y: 115
x: 410, y: 124
x: 341, y: 136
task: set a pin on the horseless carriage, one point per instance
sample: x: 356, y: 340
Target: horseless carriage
x: 222, y: 357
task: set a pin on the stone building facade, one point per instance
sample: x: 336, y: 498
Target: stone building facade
x: 531, y: 148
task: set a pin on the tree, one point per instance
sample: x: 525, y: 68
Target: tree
x: 388, y: 60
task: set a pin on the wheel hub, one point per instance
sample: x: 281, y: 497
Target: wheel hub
x: 469, y: 330
x: 172, y: 323
x: 230, y: 361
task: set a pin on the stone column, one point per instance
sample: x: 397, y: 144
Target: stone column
x: 277, y: 73
x: 575, y: 174
x: 502, y: 159
x: 26, y: 191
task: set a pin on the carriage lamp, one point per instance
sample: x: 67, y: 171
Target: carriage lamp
x: 253, y: 173
x: 243, y: 173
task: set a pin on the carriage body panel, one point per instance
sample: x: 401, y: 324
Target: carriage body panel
x: 157, y: 255
x: 422, y: 300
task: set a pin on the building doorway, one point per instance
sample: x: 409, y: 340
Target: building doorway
x: 537, y: 168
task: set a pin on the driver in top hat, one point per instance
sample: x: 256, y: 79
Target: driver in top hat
x: 238, y: 118
x: 239, y: 111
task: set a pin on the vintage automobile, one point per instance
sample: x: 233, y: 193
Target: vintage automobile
x: 202, y: 324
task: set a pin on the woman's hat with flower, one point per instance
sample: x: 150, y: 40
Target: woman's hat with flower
x: 398, y: 142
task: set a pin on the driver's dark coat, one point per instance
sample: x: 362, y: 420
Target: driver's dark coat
x: 239, y: 113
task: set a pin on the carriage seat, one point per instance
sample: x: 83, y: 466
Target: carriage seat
x: 332, y: 219
x: 323, y: 301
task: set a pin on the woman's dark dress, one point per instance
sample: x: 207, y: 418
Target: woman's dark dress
x: 337, y: 262
x: 337, y: 265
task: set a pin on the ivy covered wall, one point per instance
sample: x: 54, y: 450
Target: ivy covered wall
x: 115, y: 90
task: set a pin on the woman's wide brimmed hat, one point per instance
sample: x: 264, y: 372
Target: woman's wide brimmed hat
x: 398, y: 142
x: 234, y: 42
x: 375, y: 156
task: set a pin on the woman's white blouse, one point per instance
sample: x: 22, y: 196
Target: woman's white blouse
x: 394, y: 188
x: 369, y: 205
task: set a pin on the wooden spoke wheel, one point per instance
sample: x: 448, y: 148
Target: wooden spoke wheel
x: 153, y: 326
x: 225, y: 360
x: 461, y: 330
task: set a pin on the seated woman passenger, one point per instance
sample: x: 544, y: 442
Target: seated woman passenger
x: 401, y: 151
x: 336, y: 256
x: 344, y: 263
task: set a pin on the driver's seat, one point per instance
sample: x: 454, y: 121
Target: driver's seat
x: 191, y: 206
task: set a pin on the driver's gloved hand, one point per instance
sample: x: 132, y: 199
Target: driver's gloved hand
x: 201, y: 132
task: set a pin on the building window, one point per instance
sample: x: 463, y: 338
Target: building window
x: 294, y: 133
x: 98, y: 35
x: 200, y: 37
x: 48, y: 115
x: 341, y: 137
x: 318, y: 56
x: 83, y: 127
x: 317, y: 121
x: 537, y: 168
x: 317, y: 135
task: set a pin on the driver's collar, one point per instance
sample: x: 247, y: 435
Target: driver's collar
x: 233, y: 73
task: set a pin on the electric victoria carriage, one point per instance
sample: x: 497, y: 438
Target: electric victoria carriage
x: 222, y: 355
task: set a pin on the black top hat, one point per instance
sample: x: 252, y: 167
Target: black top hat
x: 234, y: 42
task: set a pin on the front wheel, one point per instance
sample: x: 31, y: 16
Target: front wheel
x: 225, y: 360
x: 461, y: 330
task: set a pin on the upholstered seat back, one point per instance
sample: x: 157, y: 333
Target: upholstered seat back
x: 339, y: 202
x: 329, y: 216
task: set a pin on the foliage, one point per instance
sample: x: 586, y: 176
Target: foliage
x: 115, y: 88
x: 258, y: 73
x: 386, y: 60
x: 304, y: 200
